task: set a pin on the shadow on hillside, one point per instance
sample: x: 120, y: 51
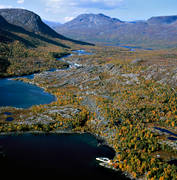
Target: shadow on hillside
x: 72, y: 40
x: 7, y: 37
x: 6, y: 27
x: 4, y: 64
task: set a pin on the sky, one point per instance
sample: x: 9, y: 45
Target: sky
x: 65, y: 10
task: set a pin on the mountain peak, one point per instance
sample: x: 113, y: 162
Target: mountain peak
x: 92, y: 20
x: 99, y: 28
x: 99, y: 17
x: 27, y: 20
x: 21, y: 17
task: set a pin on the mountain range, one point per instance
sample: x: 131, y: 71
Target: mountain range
x: 156, y: 32
x: 28, y: 28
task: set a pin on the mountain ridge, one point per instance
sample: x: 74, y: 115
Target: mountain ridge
x: 155, y: 32
x: 163, y: 19
x: 31, y: 24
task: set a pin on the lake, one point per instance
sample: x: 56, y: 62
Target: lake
x: 22, y: 95
x: 69, y: 155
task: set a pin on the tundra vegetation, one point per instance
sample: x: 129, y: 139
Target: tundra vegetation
x: 117, y: 94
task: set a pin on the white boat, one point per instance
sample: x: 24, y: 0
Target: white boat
x: 102, y: 164
x: 103, y: 159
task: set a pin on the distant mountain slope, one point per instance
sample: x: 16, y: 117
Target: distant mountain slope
x: 162, y: 20
x: 92, y: 21
x: 52, y: 24
x: 157, y: 32
x: 90, y: 27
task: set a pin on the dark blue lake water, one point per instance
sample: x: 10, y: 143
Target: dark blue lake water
x: 22, y: 95
x: 67, y: 155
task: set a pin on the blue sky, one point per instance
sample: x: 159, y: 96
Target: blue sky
x: 64, y: 10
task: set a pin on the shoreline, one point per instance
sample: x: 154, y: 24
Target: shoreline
x: 21, y: 133
x: 101, y: 142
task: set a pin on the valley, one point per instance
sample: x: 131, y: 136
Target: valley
x: 125, y: 97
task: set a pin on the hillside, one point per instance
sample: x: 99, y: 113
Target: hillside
x: 31, y: 22
x: 92, y: 27
x: 27, y: 20
x: 156, y: 32
x: 25, y: 39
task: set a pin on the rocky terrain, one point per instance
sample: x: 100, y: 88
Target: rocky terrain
x: 120, y: 101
